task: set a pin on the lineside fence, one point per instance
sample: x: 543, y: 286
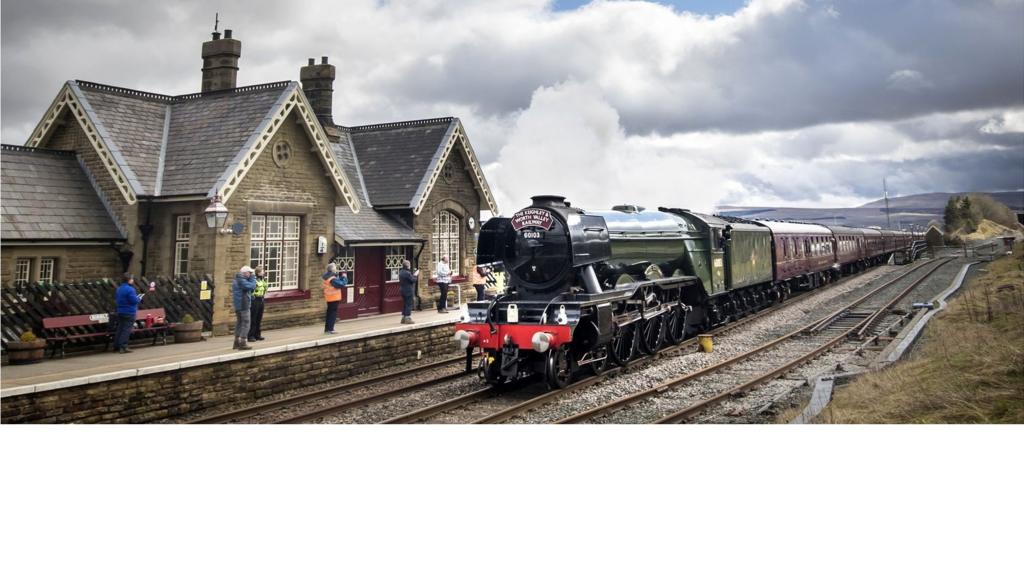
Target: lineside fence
x: 23, y: 307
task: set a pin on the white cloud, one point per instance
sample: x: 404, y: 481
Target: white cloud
x: 796, y: 100
x: 1010, y: 122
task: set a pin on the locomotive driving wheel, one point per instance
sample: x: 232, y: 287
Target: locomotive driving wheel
x: 558, y: 368
x: 675, y: 326
x: 623, y: 345
x: 652, y: 334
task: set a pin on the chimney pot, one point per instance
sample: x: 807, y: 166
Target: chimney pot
x: 220, y: 62
x: 318, y: 85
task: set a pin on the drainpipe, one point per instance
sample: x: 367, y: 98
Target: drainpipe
x: 146, y: 230
x: 416, y: 288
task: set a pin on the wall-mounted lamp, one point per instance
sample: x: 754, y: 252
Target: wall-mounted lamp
x: 217, y: 215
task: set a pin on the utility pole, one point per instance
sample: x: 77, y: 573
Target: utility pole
x: 885, y: 191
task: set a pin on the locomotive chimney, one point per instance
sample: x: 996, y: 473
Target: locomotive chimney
x: 552, y: 201
x: 318, y: 86
x: 220, y: 62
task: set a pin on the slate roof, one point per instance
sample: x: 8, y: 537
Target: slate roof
x: 344, y: 152
x: 371, y: 226
x: 204, y: 132
x: 47, y: 195
x: 394, y: 158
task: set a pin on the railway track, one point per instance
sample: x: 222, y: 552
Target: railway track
x: 490, y: 407
x: 671, y: 402
x: 307, y: 397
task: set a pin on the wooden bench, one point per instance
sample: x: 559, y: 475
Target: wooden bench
x: 158, y: 328
x: 95, y: 328
x: 90, y: 328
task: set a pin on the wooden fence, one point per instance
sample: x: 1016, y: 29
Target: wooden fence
x: 24, y: 307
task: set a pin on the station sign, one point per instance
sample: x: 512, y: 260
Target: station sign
x: 532, y: 218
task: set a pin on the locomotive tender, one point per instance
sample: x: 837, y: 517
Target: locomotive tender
x: 589, y: 288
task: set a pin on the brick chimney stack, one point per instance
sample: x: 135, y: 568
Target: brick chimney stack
x: 318, y: 85
x: 220, y: 62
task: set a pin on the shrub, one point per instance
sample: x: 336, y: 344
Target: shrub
x: 28, y: 336
x: 187, y: 318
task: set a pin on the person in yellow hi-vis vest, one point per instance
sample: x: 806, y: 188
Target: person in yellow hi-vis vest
x: 255, y: 330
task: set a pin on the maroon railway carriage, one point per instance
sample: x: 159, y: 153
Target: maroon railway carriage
x: 849, y: 248
x: 804, y: 254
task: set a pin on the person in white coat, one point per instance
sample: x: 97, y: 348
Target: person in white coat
x: 443, y: 279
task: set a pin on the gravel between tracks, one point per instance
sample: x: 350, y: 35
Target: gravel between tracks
x: 398, y: 405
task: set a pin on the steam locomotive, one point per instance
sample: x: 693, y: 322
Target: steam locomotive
x: 594, y: 288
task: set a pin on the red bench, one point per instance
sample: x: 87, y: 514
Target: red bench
x: 91, y: 328
x: 96, y: 328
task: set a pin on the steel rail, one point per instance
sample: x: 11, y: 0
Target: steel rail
x: 427, y: 412
x: 685, y: 413
x: 640, y: 395
x: 336, y: 408
x: 307, y: 396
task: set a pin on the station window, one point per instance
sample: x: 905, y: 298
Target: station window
x: 274, y: 244
x: 182, y: 235
x: 444, y: 239
x: 393, y: 261
x: 346, y: 262
x: 22, y: 268
x: 47, y: 266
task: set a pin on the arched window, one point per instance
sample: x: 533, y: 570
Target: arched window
x: 444, y: 239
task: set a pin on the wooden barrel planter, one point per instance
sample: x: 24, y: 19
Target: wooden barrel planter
x: 26, y: 352
x: 188, y: 331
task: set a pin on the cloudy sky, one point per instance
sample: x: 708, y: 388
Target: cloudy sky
x: 685, y: 103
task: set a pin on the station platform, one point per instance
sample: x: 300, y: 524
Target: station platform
x: 92, y: 367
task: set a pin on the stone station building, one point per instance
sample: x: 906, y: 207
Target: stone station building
x: 116, y: 179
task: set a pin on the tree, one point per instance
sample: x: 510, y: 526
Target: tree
x: 952, y: 214
x: 966, y: 218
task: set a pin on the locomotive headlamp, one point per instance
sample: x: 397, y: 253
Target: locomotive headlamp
x: 541, y: 341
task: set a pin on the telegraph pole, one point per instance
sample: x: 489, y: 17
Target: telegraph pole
x: 885, y: 191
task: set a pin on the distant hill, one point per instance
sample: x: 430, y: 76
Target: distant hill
x: 904, y: 211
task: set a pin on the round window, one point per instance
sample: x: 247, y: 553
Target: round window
x: 282, y: 153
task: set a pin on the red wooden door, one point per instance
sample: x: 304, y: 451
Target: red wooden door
x: 369, y: 284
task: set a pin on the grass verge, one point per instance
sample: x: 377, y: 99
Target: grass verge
x: 967, y: 368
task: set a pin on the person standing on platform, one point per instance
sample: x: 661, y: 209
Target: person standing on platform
x: 256, y: 329
x: 444, y: 278
x: 127, y: 299
x: 332, y: 294
x: 241, y: 295
x: 479, y: 280
x: 406, y: 287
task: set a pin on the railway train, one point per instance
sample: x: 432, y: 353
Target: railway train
x: 593, y: 288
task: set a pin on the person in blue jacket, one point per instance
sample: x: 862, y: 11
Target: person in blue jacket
x: 127, y: 299
x: 407, y: 287
x: 241, y: 296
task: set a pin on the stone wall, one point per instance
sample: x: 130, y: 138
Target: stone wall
x: 460, y: 197
x: 74, y: 263
x: 181, y: 391
x: 298, y: 187
x: 70, y: 136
